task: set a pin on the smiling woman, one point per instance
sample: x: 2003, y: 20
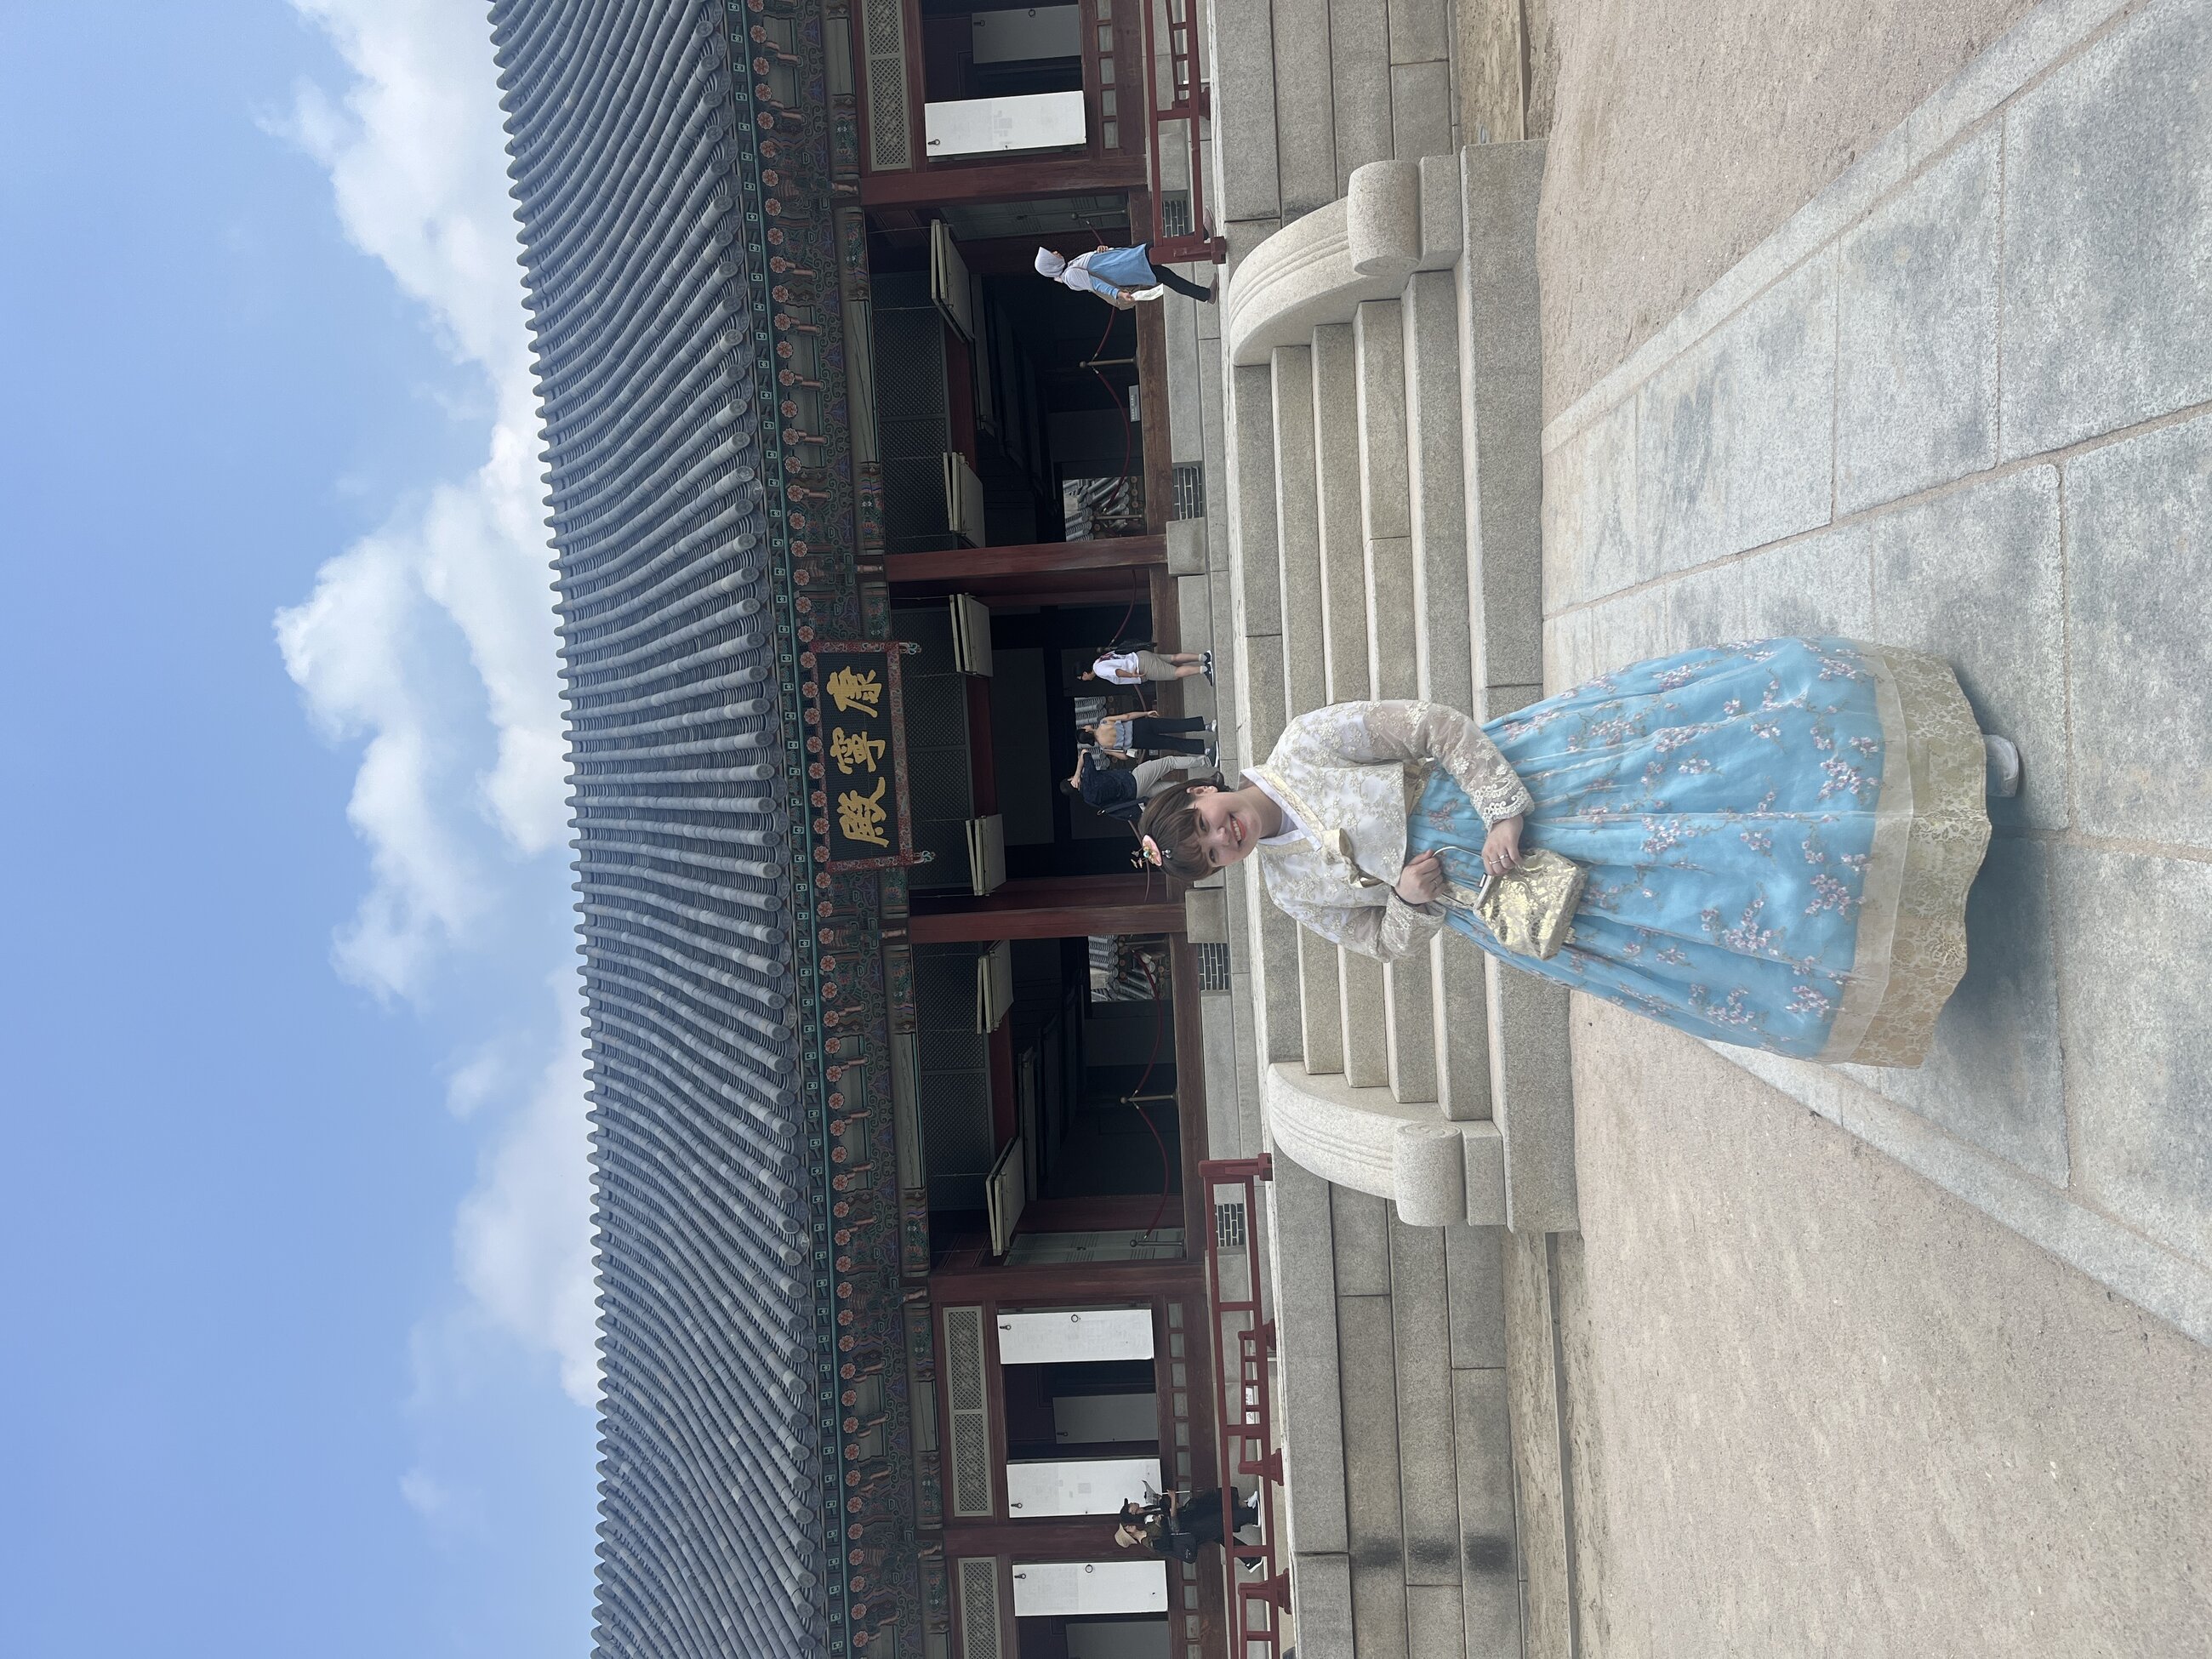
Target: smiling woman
x: 1772, y: 843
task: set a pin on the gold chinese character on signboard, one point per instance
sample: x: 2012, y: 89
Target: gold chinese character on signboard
x: 860, y: 817
x: 852, y: 690
x: 852, y: 749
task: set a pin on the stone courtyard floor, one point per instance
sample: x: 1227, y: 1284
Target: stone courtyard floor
x: 1857, y: 1363
x: 1817, y: 1405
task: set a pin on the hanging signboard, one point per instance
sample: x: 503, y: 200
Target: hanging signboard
x: 856, y: 755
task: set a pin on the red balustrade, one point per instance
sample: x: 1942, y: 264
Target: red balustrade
x: 1187, y: 101
x: 1259, y: 1587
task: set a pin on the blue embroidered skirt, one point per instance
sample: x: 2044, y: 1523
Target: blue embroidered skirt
x: 1779, y: 836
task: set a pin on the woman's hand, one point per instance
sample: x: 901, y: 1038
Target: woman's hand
x: 1422, y: 880
x: 1501, y: 847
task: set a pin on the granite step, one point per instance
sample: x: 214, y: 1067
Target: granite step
x: 1388, y: 574
x: 1389, y: 484
x: 1348, y: 482
x: 1305, y: 650
x: 1443, y: 643
x: 1501, y: 412
x: 1360, y: 1046
x: 1400, y: 1512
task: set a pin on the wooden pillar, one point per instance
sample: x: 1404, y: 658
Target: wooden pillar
x: 1050, y: 906
x: 1152, y: 414
x: 945, y: 184
x: 1028, y: 559
x: 1061, y: 1538
x: 1190, y: 1091
x: 1052, y: 1283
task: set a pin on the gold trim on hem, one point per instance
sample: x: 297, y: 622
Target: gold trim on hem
x: 1932, y: 827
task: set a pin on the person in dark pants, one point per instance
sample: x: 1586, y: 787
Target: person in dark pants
x: 1119, y: 276
x: 1123, y: 735
x: 1119, y: 791
x: 1175, y: 1528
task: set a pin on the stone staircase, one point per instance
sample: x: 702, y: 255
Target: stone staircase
x: 1363, y: 407
x: 1381, y: 406
x: 1383, y: 399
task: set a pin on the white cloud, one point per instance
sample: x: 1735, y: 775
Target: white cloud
x: 416, y: 156
x: 431, y: 643
x: 425, y: 1494
x: 523, y: 1237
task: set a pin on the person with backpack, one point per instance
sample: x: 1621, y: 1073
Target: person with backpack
x: 1120, y: 792
x: 1119, y: 276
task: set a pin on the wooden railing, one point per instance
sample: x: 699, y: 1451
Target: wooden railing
x: 1258, y: 1588
x: 1186, y: 100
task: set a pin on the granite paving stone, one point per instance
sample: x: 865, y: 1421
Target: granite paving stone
x: 2108, y: 235
x: 1974, y: 577
x: 1251, y: 421
x: 1306, y: 131
x: 1996, y: 1074
x: 1733, y: 438
x: 1421, y: 1337
x: 1472, y: 1276
x: 1305, y: 1304
x: 2132, y: 931
x: 1361, y: 1227
x: 1917, y: 334
x: 1821, y: 585
x: 1243, y: 109
x: 1592, y: 547
x: 1435, y: 1627
x: 1359, y: 85
x: 1490, y: 1559
x: 2139, y: 611
x: 1420, y: 30
x: 1420, y: 109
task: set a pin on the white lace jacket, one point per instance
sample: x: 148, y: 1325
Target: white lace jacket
x: 1348, y: 772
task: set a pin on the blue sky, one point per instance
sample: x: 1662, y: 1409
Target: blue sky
x: 299, y: 1360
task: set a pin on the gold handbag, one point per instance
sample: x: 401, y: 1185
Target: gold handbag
x: 1530, y: 908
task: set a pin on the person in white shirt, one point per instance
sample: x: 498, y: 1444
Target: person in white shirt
x: 1119, y: 276
x: 1134, y: 667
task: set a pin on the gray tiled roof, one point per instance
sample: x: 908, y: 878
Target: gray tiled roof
x: 713, y: 1532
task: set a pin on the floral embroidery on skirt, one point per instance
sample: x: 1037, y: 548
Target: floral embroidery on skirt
x: 1779, y: 835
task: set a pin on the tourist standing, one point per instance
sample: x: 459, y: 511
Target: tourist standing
x: 1123, y: 735
x: 1135, y: 667
x: 1120, y: 792
x: 1120, y: 275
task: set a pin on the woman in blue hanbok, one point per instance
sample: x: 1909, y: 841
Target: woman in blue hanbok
x: 1776, y: 836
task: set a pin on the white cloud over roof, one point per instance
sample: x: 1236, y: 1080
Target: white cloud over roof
x: 430, y: 642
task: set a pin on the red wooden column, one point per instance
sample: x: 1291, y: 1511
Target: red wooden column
x: 1050, y: 906
x: 1152, y: 407
x: 1029, y: 559
x: 947, y: 183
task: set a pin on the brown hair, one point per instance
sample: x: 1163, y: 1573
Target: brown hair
x: 1170, y: 818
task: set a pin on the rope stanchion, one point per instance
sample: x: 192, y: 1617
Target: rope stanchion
x: 1159, y: 1023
